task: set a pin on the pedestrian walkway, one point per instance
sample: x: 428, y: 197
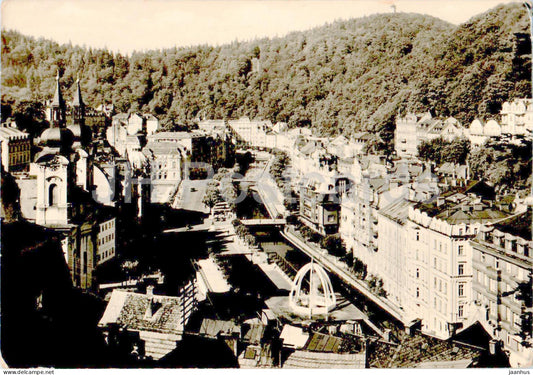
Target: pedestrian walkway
x: 336, y: 267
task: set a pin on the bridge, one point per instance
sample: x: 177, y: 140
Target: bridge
x: 265, y: 222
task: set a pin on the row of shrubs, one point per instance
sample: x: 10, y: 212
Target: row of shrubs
x: 244, y: 233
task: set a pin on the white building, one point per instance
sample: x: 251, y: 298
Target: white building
x: 135, y: 124
x: 517, y: 117
x: 255, y: 133
x: 15, y: 148
x: 441, y: 266
x: 152, y: 123
x: 412, y: 130
x: 165, y: 159
x: 106, y: 241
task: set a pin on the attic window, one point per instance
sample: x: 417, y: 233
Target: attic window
x: 153, y: 308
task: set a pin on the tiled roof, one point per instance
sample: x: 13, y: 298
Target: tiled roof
x: 212, y: 327
x: 143, y: 312
x: 253, y: 333
x: 418, y: 349
x: 324, y: 343
x: 321, y: 360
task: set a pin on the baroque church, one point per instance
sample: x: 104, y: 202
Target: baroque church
x: 71, y: 193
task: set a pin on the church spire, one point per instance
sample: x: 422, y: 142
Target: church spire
x: 57, y: 107
x: 77, y: 101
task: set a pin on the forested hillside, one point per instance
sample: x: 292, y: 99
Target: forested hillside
x: 343, y: 77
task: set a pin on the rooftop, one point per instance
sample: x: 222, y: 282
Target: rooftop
x: 320, y: 360
x: 397, y: 210
x: 420, y: 350
x: 10, y: 133
x: 518, y: 225
x: 143, y: 312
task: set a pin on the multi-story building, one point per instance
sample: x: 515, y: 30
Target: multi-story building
x: 391, y: 258
x: 412, y: 130
x: 255, y: 133
x: 441, y: 270
x: 166, y: 160
x: 320, y: 202
x: 502, y: 259
x: 16, y: 149
x: 479, y: 132
x: 517, y: 117
x: 361, y: 206
x: 106, y: 241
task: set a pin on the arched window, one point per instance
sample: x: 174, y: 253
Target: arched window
x: 53, y: 195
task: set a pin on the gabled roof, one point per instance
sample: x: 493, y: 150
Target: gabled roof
x: 319, y: 360
x: 143, y: 312
x: 253, y: 333
x: 418, y: 349
x: 212, y: 328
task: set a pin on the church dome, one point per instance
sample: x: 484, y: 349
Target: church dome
x: 56, y: 137
x: 81, y: 134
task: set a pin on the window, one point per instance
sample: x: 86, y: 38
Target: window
x: 417, y: 292
x: 461, y: 290
x: 461, y: 269
x: 516, y: 320
x: 460, y: 250
x: 53, y: 195
x: 417, y: 273
x: 461, y: 311
x: 418, y: 236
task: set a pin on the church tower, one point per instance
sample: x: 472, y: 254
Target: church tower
x: 78, y: 107
x: 57, y: 107
x: 82, y: 134
x: 54, y: 166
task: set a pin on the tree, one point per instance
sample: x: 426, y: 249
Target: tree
x: 456, y: 151
x: 359, y: 268
x: 439, y: 150
x: 212, y: 196
x: 334, y: 244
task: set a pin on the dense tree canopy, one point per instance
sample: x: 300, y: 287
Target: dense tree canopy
x: 506, y: 166
x: 343, y: 77
x: 441, y: 151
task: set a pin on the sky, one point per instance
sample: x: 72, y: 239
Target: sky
x: 128, y: 25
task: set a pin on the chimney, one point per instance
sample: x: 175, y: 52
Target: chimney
x: 493, y: 347
x: 150, y: 290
